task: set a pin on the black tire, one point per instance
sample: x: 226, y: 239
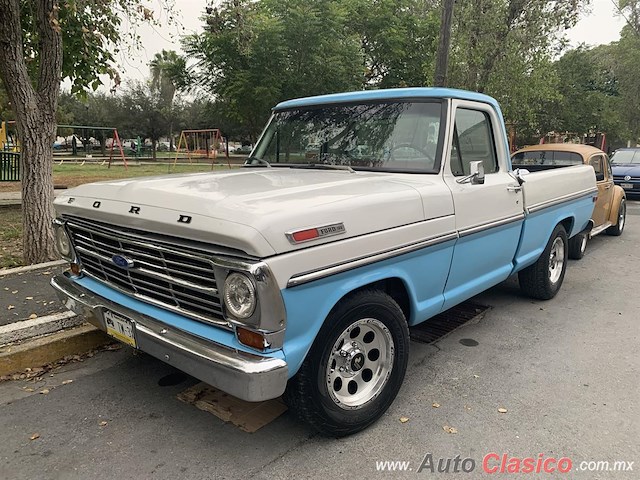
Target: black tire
x: 536, y: 280
x: 616, y: 230
x: 311, y: 394
x: 577, y: 246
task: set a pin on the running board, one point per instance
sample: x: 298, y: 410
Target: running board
x: 599, y: 229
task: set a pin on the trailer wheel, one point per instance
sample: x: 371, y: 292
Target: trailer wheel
x: 355, y: 367
x: 543, y: 279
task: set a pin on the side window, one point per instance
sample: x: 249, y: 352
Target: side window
x: 608, y: 164
x: 597, y: 162
x: 473, y: 141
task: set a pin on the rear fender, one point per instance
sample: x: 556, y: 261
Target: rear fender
x: 618, y: 195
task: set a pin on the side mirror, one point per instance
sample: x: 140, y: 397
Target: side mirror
x: 477, y: 173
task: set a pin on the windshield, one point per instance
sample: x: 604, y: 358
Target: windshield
x: 546, y: 157
x: 381, y: 136
x: 626, y: 157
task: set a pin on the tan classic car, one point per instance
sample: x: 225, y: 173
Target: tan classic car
x: 610, y: 210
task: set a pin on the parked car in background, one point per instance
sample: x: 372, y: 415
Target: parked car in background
x: 609, y: 214
x: 625, y: 163
x: 243, y: 150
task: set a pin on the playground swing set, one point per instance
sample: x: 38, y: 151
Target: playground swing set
x: 115, y: 141
x: 199, y: 143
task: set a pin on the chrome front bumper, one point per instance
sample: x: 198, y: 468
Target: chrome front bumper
x: 244, y: 375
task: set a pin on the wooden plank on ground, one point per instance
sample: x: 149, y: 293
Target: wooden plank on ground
x: 247, y: 416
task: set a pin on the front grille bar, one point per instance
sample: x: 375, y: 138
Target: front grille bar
x: 179, y: 281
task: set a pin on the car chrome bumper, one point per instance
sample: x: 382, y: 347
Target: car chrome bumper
x: 244, y: 375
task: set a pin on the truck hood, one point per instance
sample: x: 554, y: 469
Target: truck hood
x: 253, y: 209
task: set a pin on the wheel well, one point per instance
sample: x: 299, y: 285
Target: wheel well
x: 394, y: 287
x: 567, y: 223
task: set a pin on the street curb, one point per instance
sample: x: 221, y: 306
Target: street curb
x: 44, y: 350
x: 29, y: 268
x: 17, y: 331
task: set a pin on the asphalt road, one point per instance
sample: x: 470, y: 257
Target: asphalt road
x: 565, y: 370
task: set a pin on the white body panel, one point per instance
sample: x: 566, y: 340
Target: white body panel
x: 541, y: 188
x: 251, y: 209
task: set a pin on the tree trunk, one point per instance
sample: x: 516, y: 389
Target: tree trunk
x: 442, y: 57
x: 154, y: 143
x: 35, y: 102
x: 37, y: 188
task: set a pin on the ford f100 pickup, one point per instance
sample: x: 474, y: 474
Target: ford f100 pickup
x: 356, y: 216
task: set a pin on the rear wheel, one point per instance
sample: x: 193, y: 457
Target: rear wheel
x: 355, y: 367
x: 543, y: 279
x: 616, y: 230
x: 577, y: 246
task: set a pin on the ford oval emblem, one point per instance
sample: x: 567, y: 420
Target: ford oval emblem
x: 122, y: 261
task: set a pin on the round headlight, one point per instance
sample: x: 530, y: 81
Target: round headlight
x: 63, y: 243
x: 239, y: 295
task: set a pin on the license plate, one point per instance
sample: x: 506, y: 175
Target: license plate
x: 120, y: 327
x: 627, y: 186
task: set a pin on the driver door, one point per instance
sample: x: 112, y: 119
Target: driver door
x: 488, y: 215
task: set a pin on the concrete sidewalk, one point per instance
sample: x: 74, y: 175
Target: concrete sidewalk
x: 27, y: 295
x: 36, y: 329
x: 15, y: 198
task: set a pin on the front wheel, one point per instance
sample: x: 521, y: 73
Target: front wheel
x: 355, y: 367
x: 577, y: 246
x: 616, y: 230
x: 543, y: 279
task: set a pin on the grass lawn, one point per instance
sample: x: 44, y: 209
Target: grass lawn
x: 10, y: 237
x: 71, y: 175
x: 74, y: 174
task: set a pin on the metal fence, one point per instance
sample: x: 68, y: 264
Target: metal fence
x: 9, y: 167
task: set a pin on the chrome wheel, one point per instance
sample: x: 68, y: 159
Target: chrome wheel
x: 360, y: 363
x: 622, y: 215
x: 583, y: 243
x: 556, y: 260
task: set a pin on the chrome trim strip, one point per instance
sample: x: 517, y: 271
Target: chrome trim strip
x: 209, y: 320
x: 151, y: 273
x: 558, y: 200
x: 161, y: 240
x: 486, y: 226
x: 299, y: 279
x: 245, y: 375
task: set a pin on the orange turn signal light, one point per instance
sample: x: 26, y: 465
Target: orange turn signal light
x: 251, y: 339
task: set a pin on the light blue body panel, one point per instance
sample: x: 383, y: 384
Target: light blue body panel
x: 423, y: 272
x: 538, y: 227
x: 481, y: 261
x: 199, y: 329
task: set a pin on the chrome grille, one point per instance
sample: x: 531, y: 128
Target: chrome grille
x: 177, y: 280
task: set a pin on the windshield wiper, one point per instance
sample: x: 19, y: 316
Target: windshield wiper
x: 259, y: 160
x: 329, y: 166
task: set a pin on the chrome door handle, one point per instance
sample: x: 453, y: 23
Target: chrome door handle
x: 514, y: 188
x: 607, y: 187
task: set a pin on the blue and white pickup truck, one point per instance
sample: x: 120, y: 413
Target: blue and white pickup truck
x: 356, y: 216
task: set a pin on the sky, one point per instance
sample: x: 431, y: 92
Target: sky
x: 600, y: 25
